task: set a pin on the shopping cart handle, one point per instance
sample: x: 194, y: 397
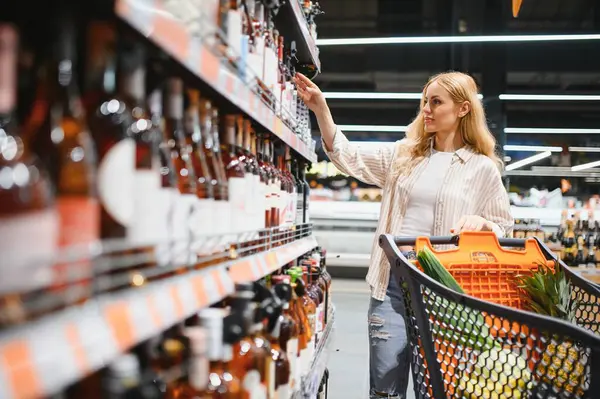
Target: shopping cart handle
x: 453, y: 240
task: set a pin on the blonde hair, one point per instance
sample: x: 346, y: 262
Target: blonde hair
x: 472, y: 127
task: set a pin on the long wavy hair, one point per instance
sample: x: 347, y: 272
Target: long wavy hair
x: 472, y: 127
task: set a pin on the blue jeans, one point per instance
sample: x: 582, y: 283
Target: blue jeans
x: 389, y: 350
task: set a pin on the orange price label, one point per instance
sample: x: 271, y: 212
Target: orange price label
x: 516, y: 6
x: 22, y: 377
x: 119, y: 319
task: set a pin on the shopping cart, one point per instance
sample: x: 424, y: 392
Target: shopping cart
x: 483, y: 345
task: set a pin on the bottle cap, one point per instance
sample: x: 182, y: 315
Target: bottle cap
x: 284, y: 291
x: 125, y: 366
x: 197, y: 337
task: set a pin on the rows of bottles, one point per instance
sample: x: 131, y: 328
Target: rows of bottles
x: 246, y: 36
x: 128, y: 151
x: 258, y: 343
x: 577, y: 240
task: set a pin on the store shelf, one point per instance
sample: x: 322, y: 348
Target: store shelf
x: 42, y: 357
x: 308, y: 52
x: 310, y: 383
x: 171, y: 35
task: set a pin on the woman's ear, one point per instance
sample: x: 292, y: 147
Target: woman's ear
x: 465, y: 108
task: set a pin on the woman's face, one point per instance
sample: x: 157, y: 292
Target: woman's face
x: 440, y: 112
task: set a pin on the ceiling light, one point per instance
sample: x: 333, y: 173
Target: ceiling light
x: 532, y: 148
x: 528, y: 160
x: 549, y: 130
x: 584, y: 149
x: 454, y: 39
x: 372, y: 128
x: 375, y: 96
x: 585, y: 166
x: 549, y: 97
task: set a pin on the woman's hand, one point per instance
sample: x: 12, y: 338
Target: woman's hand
x: 310, y: 94
x: 471, y: 223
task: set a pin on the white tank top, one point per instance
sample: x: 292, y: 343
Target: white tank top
x: 419, y: 216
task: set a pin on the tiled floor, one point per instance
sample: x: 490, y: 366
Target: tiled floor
x: 349, y: 359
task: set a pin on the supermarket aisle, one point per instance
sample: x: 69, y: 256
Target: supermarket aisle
x: 348, y: 362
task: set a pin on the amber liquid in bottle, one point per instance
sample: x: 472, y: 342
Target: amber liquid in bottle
x: 64, y: 144
x: 186, y: 199
x: 236, y: 178
x: 279, y: 385
x: 107, y: 118
x: 27, y: 212
x: 204, y: 218
x: 289, y: 332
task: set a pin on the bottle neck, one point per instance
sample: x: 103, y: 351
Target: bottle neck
x: 8, y: 71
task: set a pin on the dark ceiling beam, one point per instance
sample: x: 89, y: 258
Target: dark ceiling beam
x: 524, y: 57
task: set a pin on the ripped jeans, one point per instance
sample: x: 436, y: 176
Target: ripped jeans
x: 389, y: 362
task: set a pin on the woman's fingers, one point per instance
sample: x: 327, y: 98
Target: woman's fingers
x: 305, y: 80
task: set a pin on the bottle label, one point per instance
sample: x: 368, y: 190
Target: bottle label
x: 271, y: 378
x: 293, y: 207
x: 305, y: 357
x: 234, y: 33
x: 202, y: 224
x: 320, y: 318
x: 292, y: 354
x: 237, y: 201
x: 312, y: 320
x: 116, y: 179
x: 222, y: 227
x: 266, y: 201
x: 146, y: 221
x: 283, y: 210
x: 299, y: 208
x: 271, y: 66
x: 166, y: 201
x: 27, y: 266
x: 79, y: 220
x: 181, y: 214
x: 252, y: 386
x: 198, y: 373
x: 283, y: 392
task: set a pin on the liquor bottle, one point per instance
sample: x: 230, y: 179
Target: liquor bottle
x: 258, y: 202
x: 265, y: 179
x: 219, y: 181
x: 288, y: 339
x: 299, y: 214
x: 166, y: 195
x: 186, y: 200
x: 203, y: 218
x: 270, y: 63
x: 27, y: 208
x: 198, y: 367
x: 236, y: 177
x: 65, y: 146
x: 274, y: 183
x: 292, y: 191
x: 316, y: 292
x: 107, y: 118
x: 251, y: 174
x: 146, y: 184
x: 123, y: 380
x: 306, y: 310
x: 250, y: 355
x: 306, y: 194
x: 256, y: 59
x: 234, y: 31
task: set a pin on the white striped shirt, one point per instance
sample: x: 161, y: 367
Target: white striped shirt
x: 472, y: 185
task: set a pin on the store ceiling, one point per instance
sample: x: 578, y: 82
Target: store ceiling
x: 536, y: 68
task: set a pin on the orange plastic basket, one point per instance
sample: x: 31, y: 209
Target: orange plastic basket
x: 486, y: 270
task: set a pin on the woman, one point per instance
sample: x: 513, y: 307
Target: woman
x: 443, y: 178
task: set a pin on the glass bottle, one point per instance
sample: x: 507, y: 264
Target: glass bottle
x: 250, y: 359
x: 107, y: 118
x: 27, y: 207
x: 275, y: 184
x: 63, y: 142
x: 289, y: 332
x: 198, y: 366
x: 265, y: 179
x: 306, y: 311
x: 208, y: 123
x: 203, y: 219
x: 235, y: 173
x: 254, y: 174
x: 123, y: 380
x: 187, y: 198
x: 299, y: 193
x: 247, y: 166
